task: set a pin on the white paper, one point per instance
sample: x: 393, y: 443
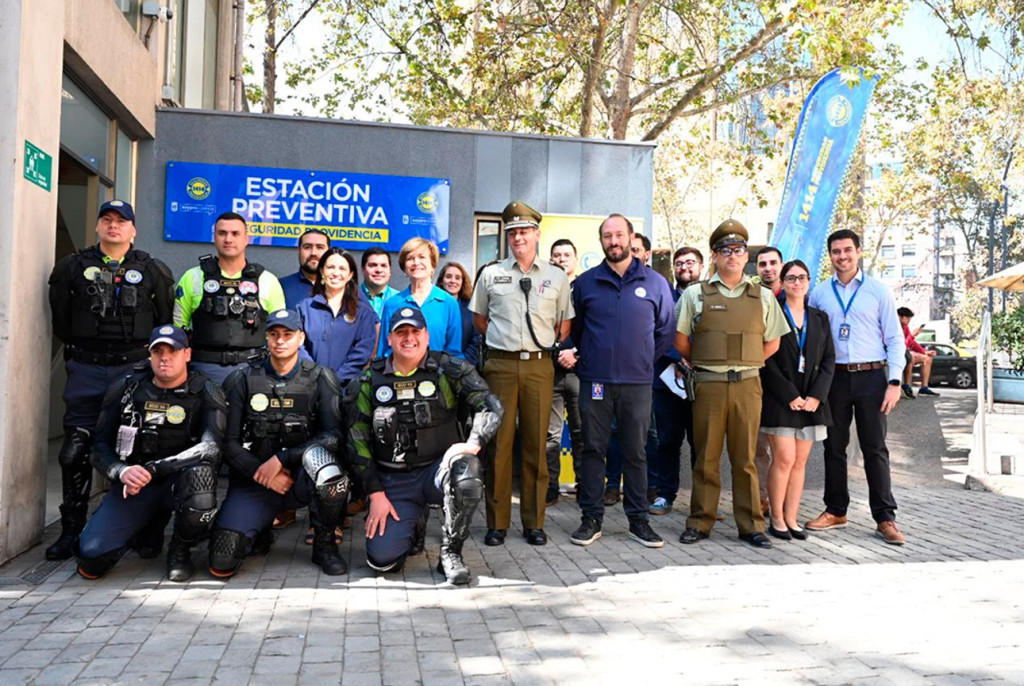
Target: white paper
x: 669, y: 377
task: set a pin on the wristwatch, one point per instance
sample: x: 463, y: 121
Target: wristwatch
x: 894, y: 382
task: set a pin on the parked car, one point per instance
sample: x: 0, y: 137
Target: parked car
x: 949, y: 366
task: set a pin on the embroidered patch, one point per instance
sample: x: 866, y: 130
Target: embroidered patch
x: 427, y: 389
x: 259, y: 402
x: 211, y: 286
x: 133, y: 276
x: 384, y: 394
x: 175, y: 414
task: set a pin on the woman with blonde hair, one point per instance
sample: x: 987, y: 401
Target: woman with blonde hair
x: 418, y: 259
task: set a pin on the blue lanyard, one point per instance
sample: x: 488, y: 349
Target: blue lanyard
x: 801, y: 331
x: 845, y: 308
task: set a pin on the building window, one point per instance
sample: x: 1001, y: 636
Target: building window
x: 888, y: 251
x: 909, y: 250
x: 888, y: 272
x: 130, y: 10
x: 85, y: 129
x: 909, y: 271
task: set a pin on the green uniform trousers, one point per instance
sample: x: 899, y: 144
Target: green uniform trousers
x: 525, y: 386
x: 726, y: 414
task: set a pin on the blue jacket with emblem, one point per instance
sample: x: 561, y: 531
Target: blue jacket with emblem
x: 622, y: 324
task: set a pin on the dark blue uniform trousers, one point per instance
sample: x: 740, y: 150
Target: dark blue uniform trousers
x: 118, y: 518
x: 409, y: 493
x: 84, y: 391
x: 249, y: 508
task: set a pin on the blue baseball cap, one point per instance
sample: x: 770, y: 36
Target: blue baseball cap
x: 121, y: 207
x: 407, y: 315
x: 289, y: 319
x: 171, y: 335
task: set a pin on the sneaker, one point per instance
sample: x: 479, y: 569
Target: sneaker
x: 660, y: 506
x: 641, y: 532
x: 888, y: 532
x: 908, y: 391
x: 588, y: 532
x: 611, y: 496
x: 924, y: 390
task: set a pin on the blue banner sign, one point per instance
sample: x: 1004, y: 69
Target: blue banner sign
x: 357, y: 211
x: 826, y: 137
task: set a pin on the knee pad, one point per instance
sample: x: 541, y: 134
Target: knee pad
x: 467, y: 484
x: 320, y: 464
x: 227, y: 550
x: 394, y: 566
x: 75, y: 449
x: 192, y: 522
x: 197, y: 487
x: 93, y: 568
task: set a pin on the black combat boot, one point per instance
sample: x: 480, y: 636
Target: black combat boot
x: 325, y: 552
x: 179, y: 558
x: 72, y: 521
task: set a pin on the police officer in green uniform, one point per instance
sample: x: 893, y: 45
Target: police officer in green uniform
x: 105, y: 301
x: 158, y: 440
x: 225, y: 301
x: 522, y: 306
x: 727, y: 327
x: 407, y: 445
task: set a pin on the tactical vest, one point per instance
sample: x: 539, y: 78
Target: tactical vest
x: 168, y: 421
x: 111, y: 305
x: 411, y: 425
x: 230, y: 315
x: 730, y: 332
x: 280, y: 414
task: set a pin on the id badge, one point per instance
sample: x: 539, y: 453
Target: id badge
x: 597, y: 391
x: 125, y: 441
x: 844, y: 332
x: 800, y: 364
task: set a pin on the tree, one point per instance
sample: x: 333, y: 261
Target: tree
x: 270, y: 13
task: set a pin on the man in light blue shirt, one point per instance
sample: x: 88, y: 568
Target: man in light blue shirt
x: 376, y: 265
x: 869, y: 365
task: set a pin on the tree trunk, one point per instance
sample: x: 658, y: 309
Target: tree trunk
x: 270, y: 58
x: 620, y: 108
x: 595, y: 66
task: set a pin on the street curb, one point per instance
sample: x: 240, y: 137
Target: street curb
x: 996, y: 483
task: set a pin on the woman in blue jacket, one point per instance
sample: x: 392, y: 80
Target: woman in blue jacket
x: 340, y: 326
x: 455, y: 281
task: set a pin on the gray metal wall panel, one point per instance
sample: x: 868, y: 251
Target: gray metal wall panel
x: 530, y: 173
x: 564, y: 177
x: 493, y: 173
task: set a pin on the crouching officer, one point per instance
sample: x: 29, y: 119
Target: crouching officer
x: 105, y: 300
x: 406, y: 445
x: 287, y: 411
x: 158, y: 440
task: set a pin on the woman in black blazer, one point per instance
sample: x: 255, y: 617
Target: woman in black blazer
x: 794, y: 412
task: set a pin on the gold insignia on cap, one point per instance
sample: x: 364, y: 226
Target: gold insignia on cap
x: 166, y: 331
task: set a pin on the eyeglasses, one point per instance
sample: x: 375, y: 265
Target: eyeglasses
x: 685, y: 263
x: 727, y: 252
x: 796, y: 278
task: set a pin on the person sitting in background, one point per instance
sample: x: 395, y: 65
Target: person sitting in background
x: 916, y: 355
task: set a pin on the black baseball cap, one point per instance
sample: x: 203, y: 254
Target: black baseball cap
x: 121, y: 207
x: 289, y: 319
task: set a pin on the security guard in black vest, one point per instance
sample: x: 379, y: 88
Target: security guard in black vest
x: 158, y: 440
x: 406, y: 445
x: 105, y: 300
x: 225, y: 301
x: 284, y: 428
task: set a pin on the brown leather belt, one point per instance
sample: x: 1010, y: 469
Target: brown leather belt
x: 517, y: 355
x: 860, y: 366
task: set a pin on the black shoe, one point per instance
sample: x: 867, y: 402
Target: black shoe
x: 798, y: 534
x: 756, y: 539
x: 325, y: 553
x: 691, y: 535
x: 535, y: 536
x: 611, y: 496
x: 552, y: 497
x: 419, y: 536
x: 924, y: 390
x: 783, y: 534
x: 640, y: 531
x: 63, y: 547
x: 495, y: 537
x: 261, y: 544
x: 179, y: 561
x: 588, y: 532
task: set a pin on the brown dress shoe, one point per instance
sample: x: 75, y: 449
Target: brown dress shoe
x: 826, y: 521
x: 284, y: 518
x: 888, y: 532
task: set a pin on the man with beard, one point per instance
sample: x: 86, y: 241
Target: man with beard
x: 624, y: 322
x: 728, y: 326
x: 312, y: 245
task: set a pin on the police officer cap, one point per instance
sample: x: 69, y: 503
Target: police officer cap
x: 519, y: 214
x: 171, y: 335
x: 289, y: 319
x: 412, y: 316
x: 729, y: 232
x: 121, y: 207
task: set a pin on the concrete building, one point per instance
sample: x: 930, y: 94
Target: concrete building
x: 80, y: 84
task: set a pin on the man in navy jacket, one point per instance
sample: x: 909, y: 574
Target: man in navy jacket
x: 624, y: 322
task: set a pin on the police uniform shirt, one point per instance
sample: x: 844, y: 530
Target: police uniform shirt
x: 690, y: 305
x: 189, y: 294
x: 499, y: 297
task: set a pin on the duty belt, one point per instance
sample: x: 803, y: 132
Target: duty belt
x: 228, y: 357
x: 104, y: 359
x: 859, y: 366
x: 728, y: 377
x: 517, y: 355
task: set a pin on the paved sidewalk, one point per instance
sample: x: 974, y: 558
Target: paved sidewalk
x: 840, y: 608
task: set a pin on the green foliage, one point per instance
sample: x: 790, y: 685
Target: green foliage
x: 1008, y: 335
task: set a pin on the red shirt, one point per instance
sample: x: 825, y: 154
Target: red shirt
x: 912, y: 344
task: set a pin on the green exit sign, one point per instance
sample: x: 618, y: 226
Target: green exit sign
x: 38, y: 166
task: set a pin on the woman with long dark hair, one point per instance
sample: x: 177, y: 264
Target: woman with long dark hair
x: 455, y: 281
x: 794, y: 411
x: 340, y: 326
